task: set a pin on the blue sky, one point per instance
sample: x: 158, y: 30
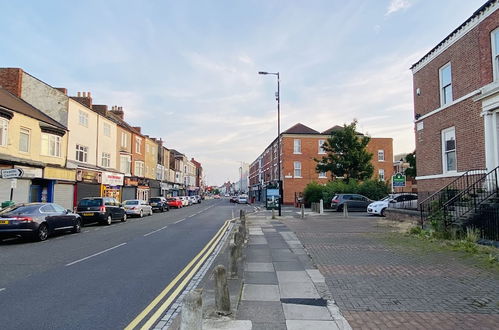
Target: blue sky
x: 186, y: 71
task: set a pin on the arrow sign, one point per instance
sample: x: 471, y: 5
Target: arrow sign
x: 12, y: 173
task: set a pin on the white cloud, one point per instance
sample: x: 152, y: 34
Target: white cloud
x: 396, y: 5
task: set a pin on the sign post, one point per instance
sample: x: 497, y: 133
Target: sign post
x: 12, y: 173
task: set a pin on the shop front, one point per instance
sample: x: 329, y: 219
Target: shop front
x: 143, y: 189
x: 21, y: 186
x: 166, y: 189
x: 129, y: 189
x: 88, y: 184
x: 63, y: 185
x: 112, y: 184
x: 154, y: 188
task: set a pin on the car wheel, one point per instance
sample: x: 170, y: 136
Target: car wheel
x: 42, y: 233
x: 109, y: 220
x: 77, y: 226
x: 382, y: 213
x: 141, y: 215
x: 124, y: 218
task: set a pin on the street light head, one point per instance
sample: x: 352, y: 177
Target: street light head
x: 262, y: 72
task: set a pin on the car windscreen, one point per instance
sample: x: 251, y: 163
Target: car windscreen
x: 90, y: 202
x: 131, y: 203
x: 21, y: 209
x: 154, y: 199
x: 172, y: 199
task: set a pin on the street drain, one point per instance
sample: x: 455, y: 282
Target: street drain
x: 305, y: 301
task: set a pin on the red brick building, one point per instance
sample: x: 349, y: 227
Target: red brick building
x: 300, y: 145
x: 456, y: 102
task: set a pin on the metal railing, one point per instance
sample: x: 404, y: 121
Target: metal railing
x: 486, y: 220
x: 436, y: 201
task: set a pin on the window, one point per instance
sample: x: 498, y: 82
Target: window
x: 495, y: 53
x: 139, y: 168
x: 51, y: 145
x: 297, y: 146
x: 124, y: 139
x: 381, y: 174
x: 81, y: 153
x: 83, y: 116
x: 381, y: 155
x: 24, y: 139
x: 321, y: 150
x: 449, y: 150
x: 138, y: 145
x: 125, y: 164
x: 106, y: 159
x: 297, y: 166
x: 445, y: 85
x: 4, y: 131
x: 107, y: 129
x: 322, y: 175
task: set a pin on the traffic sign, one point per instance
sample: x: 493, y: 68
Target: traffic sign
x: 398, y: 180
x: 12, y: 173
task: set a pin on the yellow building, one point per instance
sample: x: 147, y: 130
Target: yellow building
x: 36, y: 144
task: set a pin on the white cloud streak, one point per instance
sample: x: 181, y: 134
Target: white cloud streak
x: 397, y: 5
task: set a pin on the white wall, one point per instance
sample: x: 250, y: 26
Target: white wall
x: 107, y: 143
x: 78, y: 134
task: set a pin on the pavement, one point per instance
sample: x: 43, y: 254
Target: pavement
x: 328, y: 272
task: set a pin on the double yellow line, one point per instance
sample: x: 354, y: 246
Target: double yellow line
x: 197, y: 261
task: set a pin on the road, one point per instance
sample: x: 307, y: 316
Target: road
x: 105, y: 276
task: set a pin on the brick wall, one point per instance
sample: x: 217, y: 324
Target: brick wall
x: 385, y: 144
x: 11, y: 80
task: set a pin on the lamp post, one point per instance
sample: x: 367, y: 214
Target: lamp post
x: 278, y: 98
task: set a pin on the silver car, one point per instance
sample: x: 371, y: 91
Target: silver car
x: 137, y: 207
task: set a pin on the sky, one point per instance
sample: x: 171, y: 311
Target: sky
x: 186, y: 71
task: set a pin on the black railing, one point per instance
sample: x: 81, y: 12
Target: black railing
x: 435, y: 202
x: 469, y: 201
x: 486, y: 220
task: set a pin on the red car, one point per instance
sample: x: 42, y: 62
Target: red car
x: 174, y: 202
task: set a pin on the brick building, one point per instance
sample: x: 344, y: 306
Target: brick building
x: 456, y: 102
x: 300, y: 145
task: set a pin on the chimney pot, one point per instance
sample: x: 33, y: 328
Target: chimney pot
x: 79, y: 94
x: 88, y: 93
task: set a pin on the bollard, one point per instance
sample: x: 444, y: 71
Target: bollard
x: 345, y: 210
x: 238, y: 240
x: 241, y: 231
x: 241, y: 214
x: 321, y: 207
x: 302, y: 211
x: 233, y: 260
x: 192, y: 311
x: 273, y: 213
x: 222, y: 297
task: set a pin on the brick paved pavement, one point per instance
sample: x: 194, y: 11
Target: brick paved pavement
x: 380, y: 286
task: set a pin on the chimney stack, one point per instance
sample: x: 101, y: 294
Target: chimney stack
x: 137, y: 128
x: 83, y: 98
x: 118, y: 111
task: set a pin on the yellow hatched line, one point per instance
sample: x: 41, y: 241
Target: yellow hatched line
x: 167, y: 289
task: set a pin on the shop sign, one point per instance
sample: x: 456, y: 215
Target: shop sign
x: 166, y: 186
x: 112, y: 179
x: 131, y: 182
x: 59, y: 174
x: 88, y: 176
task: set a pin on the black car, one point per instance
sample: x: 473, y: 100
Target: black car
x: 354, y: 202
x: 159, y: 204
x: 37, y: 220
x: 100, y: 209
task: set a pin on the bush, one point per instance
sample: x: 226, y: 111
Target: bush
x: 374, y: 189
x: 313, y: 193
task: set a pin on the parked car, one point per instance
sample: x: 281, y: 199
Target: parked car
x: 159, y: 204
x: 399, y: 201
x: 100, y: 209
x: 354, y: 202
x: 192, y: 199
x: 233, y: 199
x: 137, y: 207
x: 185, y: 201
x: 199, y: 198
x: 37, y: 220
x: 216, y: 196
x: 174, y: 202
x: 243, y: 199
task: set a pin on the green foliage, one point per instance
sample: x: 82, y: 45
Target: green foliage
x: 411, y: 170
x: 472, y: 234
x: 346, y: 156
x: 372, y: 189
x: 216, y: 191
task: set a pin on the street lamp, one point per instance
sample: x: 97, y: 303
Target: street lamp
x: 278, y: 98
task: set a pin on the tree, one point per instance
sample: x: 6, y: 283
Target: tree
x: 347, y: 156
x: 411, y: 170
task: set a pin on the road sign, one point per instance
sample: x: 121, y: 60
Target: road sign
x: 398, y: 180
x: 12, y: 173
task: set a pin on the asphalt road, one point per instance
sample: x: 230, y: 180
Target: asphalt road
x: 104, y: 276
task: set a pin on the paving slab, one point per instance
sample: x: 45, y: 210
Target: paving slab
x: 306, y: 312
x: 263, y: 311
x: 315, y: 275
x: 260, y: 278
x: 288, y: 265
x: 293, y: 276
x: 259, y: 292
x: 257, y: 240
x: 269, y: 326
x: 210, y: 324
x: 298, y: 290
x: 309, y: 324
x: 259, y: 267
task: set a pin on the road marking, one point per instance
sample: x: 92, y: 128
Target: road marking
x: 2, y: 289
x: 155, y: 231
x: 95, y: 254
x: 179, y: 221
x: 172, y: 284
x: 86, y: 231
x: 96, y: 228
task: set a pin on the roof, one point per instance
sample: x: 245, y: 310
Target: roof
x: 300, y: 129
x: 12, y: 102
x: 117, y: 120
x: 456, y: 30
